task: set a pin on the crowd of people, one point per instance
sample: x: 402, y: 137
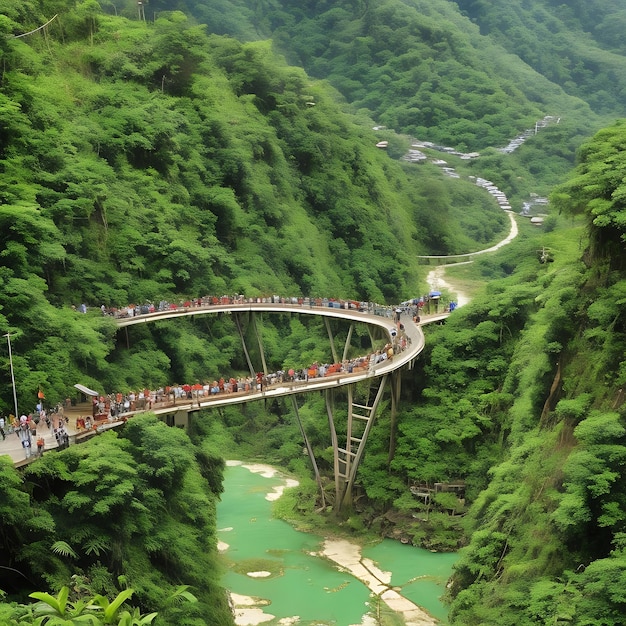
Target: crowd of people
x: 431, y: 302
x: 28, y: 429
x: 134, y: 310
x: 118, y: 406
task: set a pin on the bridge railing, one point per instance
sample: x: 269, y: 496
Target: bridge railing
x: 415, y: 343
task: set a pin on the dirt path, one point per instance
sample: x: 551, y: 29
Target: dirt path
x: 436, y: 281
x: 435, y: 278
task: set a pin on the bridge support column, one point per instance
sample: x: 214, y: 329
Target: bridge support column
x: 347, y: 459
x: 346, y: 347
x: 396, y: 380
x: 330, y: 407
x: 371, y: 334
x: 331, y: 339
x: 243, y: 343
x: 260, y: 342
x: 181, y: 419
x: 309, y: 450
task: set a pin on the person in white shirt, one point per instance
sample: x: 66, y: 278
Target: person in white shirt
x: 24, y: 435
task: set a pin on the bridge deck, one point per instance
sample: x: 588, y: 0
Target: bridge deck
x: 402, y: 359
x: 12, y: 447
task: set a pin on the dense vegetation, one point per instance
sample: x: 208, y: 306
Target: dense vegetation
x: 140, y: 506
x: 181, y: 156
x: 425, y: 69
x: 157, y: 162
x: 577, y: 45
x: 547, y: 545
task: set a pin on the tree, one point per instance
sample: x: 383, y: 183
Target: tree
x: 597, y: 191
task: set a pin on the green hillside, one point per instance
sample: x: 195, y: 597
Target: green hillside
x: 168, y: 151
x: 466, y: 74
x: 157, y: 162
x: 577, y: 45
x: 547, y: 541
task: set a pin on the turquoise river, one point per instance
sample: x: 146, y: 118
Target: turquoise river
x: 278, y: 575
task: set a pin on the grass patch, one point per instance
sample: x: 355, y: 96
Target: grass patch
x: 248, y: 566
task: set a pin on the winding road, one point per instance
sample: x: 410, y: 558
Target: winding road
x: 435, y: 278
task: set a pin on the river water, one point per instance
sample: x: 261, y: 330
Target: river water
x: 277, y: 575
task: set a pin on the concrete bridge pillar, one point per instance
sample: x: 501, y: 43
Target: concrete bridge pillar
x: 181, y: 419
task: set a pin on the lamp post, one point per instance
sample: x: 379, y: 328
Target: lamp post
x: 8, y: 336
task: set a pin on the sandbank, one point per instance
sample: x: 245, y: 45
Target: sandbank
x: 348, y: 556
x: 251, y: 617
x: 267, y: 471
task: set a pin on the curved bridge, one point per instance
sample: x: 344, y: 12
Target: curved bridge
x: 363, y: 400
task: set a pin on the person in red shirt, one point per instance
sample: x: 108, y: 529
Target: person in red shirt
x: 148, y: 398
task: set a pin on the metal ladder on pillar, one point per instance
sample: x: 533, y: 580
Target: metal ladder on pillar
x: 347, y: 459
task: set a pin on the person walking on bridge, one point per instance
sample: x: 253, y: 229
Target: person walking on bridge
x: 24, y: 435
x: 41, y: 442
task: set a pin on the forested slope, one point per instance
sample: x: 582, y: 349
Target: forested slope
x: 434, y: 71
x: 468, y: 74
x: 162, y: 159
x: 577, y: 45
x: 135, y: 510
x: 156, y: 162
x: 547, y: 543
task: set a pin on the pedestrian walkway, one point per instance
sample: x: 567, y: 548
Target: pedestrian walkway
x: 12, y: 446
x: 414, y: 343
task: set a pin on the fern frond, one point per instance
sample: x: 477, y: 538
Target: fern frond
x: 63, y: 548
